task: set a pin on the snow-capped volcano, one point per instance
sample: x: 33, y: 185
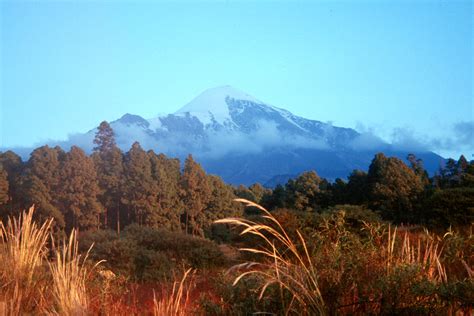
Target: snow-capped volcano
x: 245, y: 140
x: 212, y: 104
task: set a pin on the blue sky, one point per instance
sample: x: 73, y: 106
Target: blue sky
x: 399, y: 69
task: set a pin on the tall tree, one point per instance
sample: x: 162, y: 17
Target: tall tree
x: 220, y: 203
x: 41, y: 182
x: 138, y: 193
x: 104, y: 138
x: 166, y: 176
x: 419, y: 169
x: 3, y: 186
x: 78, y: 191
x: 108, y: 161
x: 393, y: 187
x: 357, y: 190
x: 13, y: 166
x: 195, y: 194
x: 303, y: 191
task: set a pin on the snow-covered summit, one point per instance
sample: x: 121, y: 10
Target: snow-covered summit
x: 212, y: 104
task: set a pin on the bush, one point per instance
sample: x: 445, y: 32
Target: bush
x: 147, y: 254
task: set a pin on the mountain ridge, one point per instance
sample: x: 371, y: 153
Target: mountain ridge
x: 244, y: 140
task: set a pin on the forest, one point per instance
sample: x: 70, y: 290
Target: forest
x: 392, y: 240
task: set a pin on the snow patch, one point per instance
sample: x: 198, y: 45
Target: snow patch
x: 214, y: 101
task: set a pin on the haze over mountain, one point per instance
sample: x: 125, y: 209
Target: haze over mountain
x: 245, y: 140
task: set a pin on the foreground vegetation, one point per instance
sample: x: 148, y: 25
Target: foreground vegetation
x: 341, y: 264
x: 133, y: 233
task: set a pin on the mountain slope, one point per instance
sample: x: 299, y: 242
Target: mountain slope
x: 245, y: 140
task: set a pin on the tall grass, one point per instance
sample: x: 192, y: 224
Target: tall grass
x: 70, y: 273
x: 22, y: 254
x: 177, y: 302
x: 288, y: 266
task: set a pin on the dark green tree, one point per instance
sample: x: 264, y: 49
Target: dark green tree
x: 419, y: 169
x: 275, y: 199
x: 13, y: 166
x: 393, y: 188
x: 138, y: 192
x: 41, y: 183
x: 108, y: 161
x: 166, y: 176
x: 78, y: 191
x: 220, y: 204
x: 303, y: 191
x: 195, y: 195
x: 357, y: 189
x: 3, y: 186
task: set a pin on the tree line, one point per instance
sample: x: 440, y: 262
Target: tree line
x: 111, y: 189
x: 399, y: 192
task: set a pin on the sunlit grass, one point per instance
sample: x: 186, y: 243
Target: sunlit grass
x: 175, y: 303
x: 287, y: 266
x: 22, y: 254
x: 70, y: 274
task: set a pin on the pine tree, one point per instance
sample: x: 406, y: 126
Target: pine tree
x: 357, y: 189
x: 138, y: 193
x: 220, y: 204
x: 108, y: 161
x: 3, y: 186
x: 104, y: 138
x: 41, y: 182
x: 196, y: 194
x: 166, y: 176
x: 78, y: 191
x: 13, y: 166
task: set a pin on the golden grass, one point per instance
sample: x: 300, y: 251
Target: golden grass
x: 176, y: 303
x: 286, y: 266
x: 22, y: 253
x: 70, y: 274
x: 423, y: 251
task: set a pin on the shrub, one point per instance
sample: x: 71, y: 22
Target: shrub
x: 147, y: 254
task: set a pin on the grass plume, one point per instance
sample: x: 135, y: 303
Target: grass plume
x: 22, y: 253
x: 176, y: 303
x: 287, y: 265
x: 70, y: 274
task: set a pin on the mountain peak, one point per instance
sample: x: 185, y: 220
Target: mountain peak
x: 214, y: 101
x: 132, y: 119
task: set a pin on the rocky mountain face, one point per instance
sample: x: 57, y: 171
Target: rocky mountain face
x: 244, y: 140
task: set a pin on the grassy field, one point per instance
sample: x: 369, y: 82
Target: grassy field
x: 275, y: 263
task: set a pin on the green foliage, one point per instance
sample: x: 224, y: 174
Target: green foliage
x: 41, y: 183
x: 78, y: 191
x: 240, y: 299
x: 148, y: 254
x: 138, y: 193
x: 450, y: 207
x: 108, y: 162
x: 3, y: 185
x: 393, y: 188
x: 302, y: 192
x: 166, y: 176
x: 196, y: 193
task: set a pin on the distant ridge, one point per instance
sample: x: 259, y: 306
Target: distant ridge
x: 244, y: 140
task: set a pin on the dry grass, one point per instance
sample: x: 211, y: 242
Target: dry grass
x: 287, y: 266
x: 422, y: 250
x: 177, y: 302
x: 70, y: 274
x: 22, y: 253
